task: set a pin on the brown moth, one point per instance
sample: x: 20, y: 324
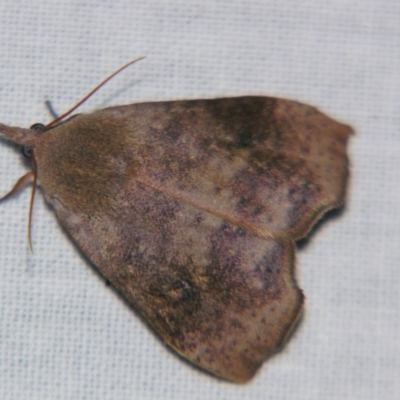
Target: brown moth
x: 191, y: 209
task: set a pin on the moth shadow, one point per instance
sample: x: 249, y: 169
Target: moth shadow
x: 329, y: 217
x: 106, y: 102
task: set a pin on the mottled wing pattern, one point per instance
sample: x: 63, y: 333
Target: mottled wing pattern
x: 191, y: 208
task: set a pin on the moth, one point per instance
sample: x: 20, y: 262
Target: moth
x: 191, y: 210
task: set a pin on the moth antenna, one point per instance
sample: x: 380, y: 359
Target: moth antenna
x: 31, y: 204
x: 61, y: 117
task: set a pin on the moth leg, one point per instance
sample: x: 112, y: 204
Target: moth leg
x: 50, y: 109
x: 19, y: 185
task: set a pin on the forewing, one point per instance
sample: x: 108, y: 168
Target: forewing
x: 272, y: 166
x: 190, y: 210
x: 220, y: 295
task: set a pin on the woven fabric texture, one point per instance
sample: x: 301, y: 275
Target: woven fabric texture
x: 64, y: 334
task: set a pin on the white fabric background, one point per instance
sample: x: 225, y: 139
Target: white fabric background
x: 63, y: 333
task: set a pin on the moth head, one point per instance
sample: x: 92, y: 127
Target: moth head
x: 26, y: 150
x: 27, y: 139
